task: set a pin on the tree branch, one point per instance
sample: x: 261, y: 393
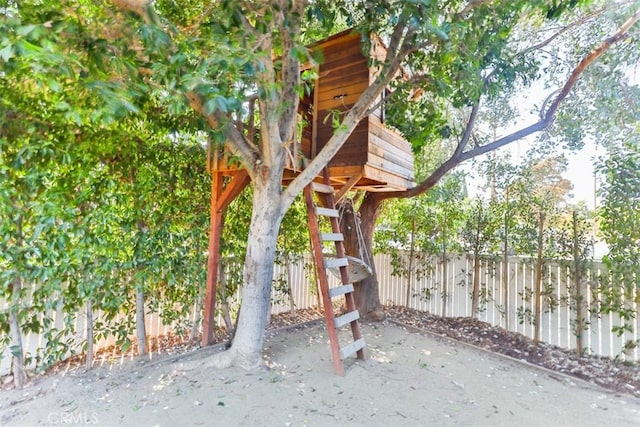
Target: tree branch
x: 290, y: 72
x: 246, y: 24
x: 236, y: 141
x: 470, y: 6
x: 564, y: 29
x: 269, y: 102
x: 468, y: 131
x: 588, y: 60
x: 143, y: 8
x: 547, y: 118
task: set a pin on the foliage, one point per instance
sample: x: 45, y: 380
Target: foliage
x: 107, y: 108
x: 479, y: 238
x: 620, y: 219
x: 431, y: 220
x: 620, y: 225
x: 479, y: 232
x: 97, y: 202
x: 415, y: 230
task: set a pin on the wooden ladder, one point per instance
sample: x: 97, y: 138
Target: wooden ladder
x: 325, y: 194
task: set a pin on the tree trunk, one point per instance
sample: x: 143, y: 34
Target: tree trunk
x: 292, y: 302
x: 475, y: 294
x: 17, y: 350
x: 505, y: 262
x: 197, y: 319
x: 89, y: 334
x: 538, y: 284
x: 411, y: 255
x: 445, y: 294
x: 577, y: 283
x: 224, y: 303
x: 141, y: 330
x: 366, y: 293
x: 316, y: 283
x: 266, y: 217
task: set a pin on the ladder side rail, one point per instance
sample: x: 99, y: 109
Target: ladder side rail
x: 318, y: 257
x: 344, y: 274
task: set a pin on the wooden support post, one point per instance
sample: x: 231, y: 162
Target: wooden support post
x: 215, y: 231
x: 347, y: 187
x: 220, y: 200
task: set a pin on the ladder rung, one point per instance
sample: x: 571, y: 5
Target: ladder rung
x: 332, y: 213
x: 332, y: 237
x: 321, y: 188
x: 349, y: 349
x: 336, y: 262
x: 340, y: 290
x: 349, y: 317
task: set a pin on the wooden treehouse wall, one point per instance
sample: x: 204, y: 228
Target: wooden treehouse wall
x: 378, y: 154
x: 374, y: 157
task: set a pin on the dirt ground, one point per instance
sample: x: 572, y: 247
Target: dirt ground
x: 409, y: 379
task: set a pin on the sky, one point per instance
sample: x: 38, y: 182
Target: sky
x: 581, y: 173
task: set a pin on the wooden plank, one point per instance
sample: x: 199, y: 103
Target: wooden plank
x: 345, y: 171
x: 371, y: 176
x: 347, y: 187
x: 387, y: 165
x: 340, y: 290
x: 213, y: 261
x: 314, y: 121
x: 351, y: 348
x: 337, y: 69
x: 398, y: 149
x: 319, y: 187
x: 402, y: 161
x: 388, y: 151
x: 331, y: 213
x: 349, y: 156
x: 341, y: 104
x: 389, y: 176
x: 344, y: 37
x: 336, y: 63
x: 392, y: 180
x: 239, y: 181
x: 392, y: 137
x: 346, y: 318
x: 354, y: 151
x: 349, y: 73
x: 348, y: 52
x: 326, y: 131
x: 339, y: 60
x: 332, y: 237
x: 331, y: 91
x: 335, y: 262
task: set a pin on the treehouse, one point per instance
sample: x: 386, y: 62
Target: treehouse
x: 375, y: 157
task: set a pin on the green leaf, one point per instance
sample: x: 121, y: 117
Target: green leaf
x: 26, y: 30
x: 7, y: 52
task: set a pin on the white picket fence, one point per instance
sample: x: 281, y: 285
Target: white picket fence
x: 556, y: 324
x: 426, y: 294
